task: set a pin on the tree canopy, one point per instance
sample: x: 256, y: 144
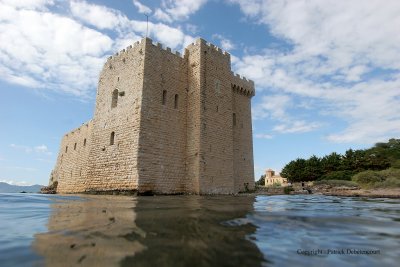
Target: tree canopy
x: 337, y: 166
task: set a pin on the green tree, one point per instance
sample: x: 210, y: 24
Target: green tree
x: 389, y: 150
x: 261, y: 181
x: 354, y: 160
x: 294, y: 171
x: 383, y: 155
x: 313, y: 169
x: 335, y: 166
x: 331, y: 162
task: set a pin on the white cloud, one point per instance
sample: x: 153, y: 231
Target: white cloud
x: 296, y: 127
x: 226, y: 44
x: 345, y: 60
x: 41, y: 149
x: 353, y: 74
x: 99, y: 16
x: 126, y: 29
x: 193, y: 29
x: 277, y: 107
x: 272, y: 106
x: 28, y: 4
x: 51, y: 51
x: 125, y: 40
x: 173, y: 10
x: 162, y: 16
x: 19, y: 183
x: 26, y: 149
x: 249, y: 7
x: 142, y: 8
x: 169, y: 36
x: 264, y: 136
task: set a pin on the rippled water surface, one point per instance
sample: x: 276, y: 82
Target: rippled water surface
x: 43, y: 230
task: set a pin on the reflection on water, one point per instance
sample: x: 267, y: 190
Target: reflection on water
x: 291, y: 228
x: 90, y: 232
x: 149, y: 231
x: 197, y: 231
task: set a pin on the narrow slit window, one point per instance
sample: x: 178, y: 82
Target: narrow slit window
x: 164, y: 97
x: 234, y: 119
x: 114, y: 100
x: 176, y: 101
x: 84, y: 142
x: 66, y: 149
x: 75, y: 146
x: 112, y: 138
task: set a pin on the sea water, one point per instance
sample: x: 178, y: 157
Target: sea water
x: 244, y: 230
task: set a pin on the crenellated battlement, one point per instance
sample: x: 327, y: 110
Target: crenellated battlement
x: 196, y: 44
x: 201, y: 42
x: 141, y: 44
x: 165, y: 49
x: 242, y: 85
x: 126, y: 50
x: 78, y: 129
x: 244, y: 79
x: 218, y: 50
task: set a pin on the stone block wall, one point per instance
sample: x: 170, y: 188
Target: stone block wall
x: 164, y: 123
x: 162, y: 141
x: 114, y: 164
x: 72, y: 162
x: 216, y: 155
x: 193, y: 117
x: 223, y: 151
x: 242, y: 140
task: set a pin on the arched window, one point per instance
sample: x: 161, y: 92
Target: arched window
x: 164, y: 97
x: 234, y: 119
x: 114, y: 100
x: 112, y: 138
x: 176, y: 101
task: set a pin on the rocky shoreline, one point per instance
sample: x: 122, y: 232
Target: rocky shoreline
x: 297, y: 189
x: 345, y: 191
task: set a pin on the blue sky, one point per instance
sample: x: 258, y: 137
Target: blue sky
x: 327, y: 73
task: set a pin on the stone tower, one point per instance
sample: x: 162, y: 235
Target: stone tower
x: 164, y: 123
x: 269, y: 173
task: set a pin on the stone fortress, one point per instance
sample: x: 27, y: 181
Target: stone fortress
x: 163, y: 123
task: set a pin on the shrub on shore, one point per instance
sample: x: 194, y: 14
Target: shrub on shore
x: 336, y: 183
x: 338, y: 175
x: 288, y: 189
x: 385, y: 178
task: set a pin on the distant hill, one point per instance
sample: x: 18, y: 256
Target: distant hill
x: 9, y: 188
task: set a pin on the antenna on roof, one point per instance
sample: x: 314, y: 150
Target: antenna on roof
x: 147, y: 25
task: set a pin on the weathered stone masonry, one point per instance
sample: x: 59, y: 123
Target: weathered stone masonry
x: 164, y: 123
